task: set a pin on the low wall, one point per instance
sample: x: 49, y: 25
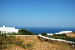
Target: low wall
x: 51, y: 40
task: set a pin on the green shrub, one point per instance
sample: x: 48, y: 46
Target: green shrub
x: 13, y: 33
x: 29, y: 45
x: 41, y: 40
x: 36, y: 34
x: 59, y: 34
x: 44, y: 34
x: 22, y: 45
x: 25, y: 32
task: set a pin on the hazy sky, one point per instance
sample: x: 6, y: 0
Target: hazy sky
x: 37, y: 13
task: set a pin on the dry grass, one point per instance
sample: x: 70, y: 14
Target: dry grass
x: 38, y: 45
x: 70, y: 34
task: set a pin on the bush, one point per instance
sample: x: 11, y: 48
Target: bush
x: 41, y: 40
x: 25, y: 32
x: 44, y: 34
x: 59, y: 34
x: 13, y: 33
x: 29, y: 45
x: 36, y: 34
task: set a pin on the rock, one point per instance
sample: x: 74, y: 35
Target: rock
x: 73, y: 46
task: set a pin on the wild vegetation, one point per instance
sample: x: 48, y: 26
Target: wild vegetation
x: 44, y: 34
x: 59, y: 36
x: 8, y: 41
x: 29, y: 43
x: 62, y: 36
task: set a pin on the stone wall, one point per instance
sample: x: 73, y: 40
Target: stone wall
x: 57, y: 41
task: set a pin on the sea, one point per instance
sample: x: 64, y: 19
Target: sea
x: 52, y: 30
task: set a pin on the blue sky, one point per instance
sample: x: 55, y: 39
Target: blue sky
x: 37, y: 13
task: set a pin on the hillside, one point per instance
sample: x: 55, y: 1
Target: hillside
x: 70, y: 34
x: 39, y: 44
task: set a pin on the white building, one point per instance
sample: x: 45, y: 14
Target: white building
x: 49, y: 33
x: 62, y: 32
x: 8, y: 29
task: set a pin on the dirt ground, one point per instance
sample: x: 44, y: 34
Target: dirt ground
x: 38, y: 45
x: 70, y: 34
